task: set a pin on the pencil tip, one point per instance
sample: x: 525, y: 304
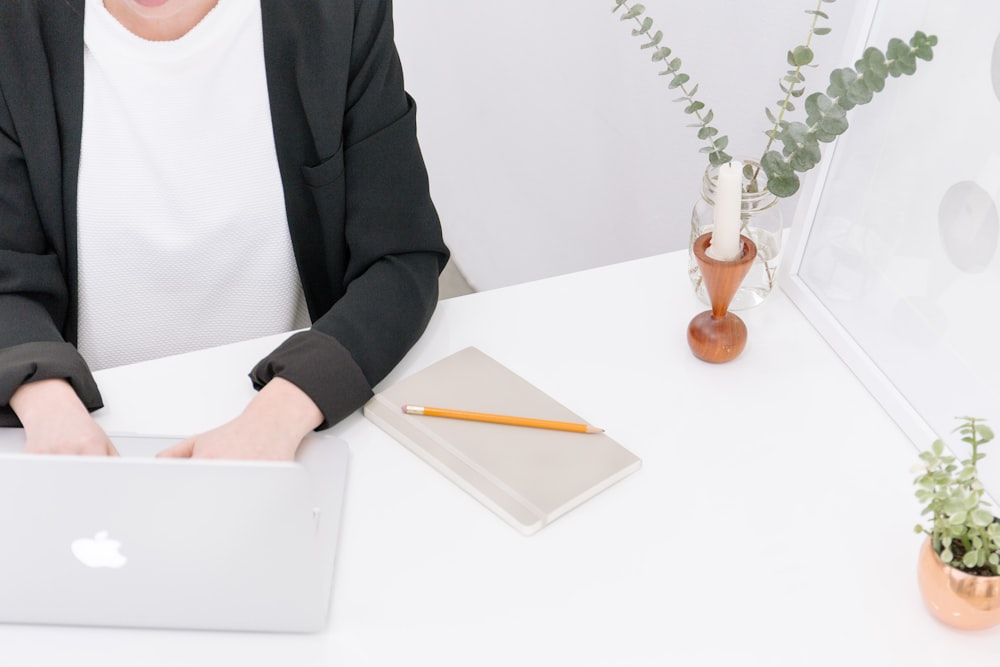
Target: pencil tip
x: 594, y: 429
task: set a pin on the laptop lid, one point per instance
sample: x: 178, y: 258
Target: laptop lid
x: 164, y: 543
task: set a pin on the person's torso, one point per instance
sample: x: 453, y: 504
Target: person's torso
x: 182, y: 232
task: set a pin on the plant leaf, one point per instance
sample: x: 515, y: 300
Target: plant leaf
x: 801, y: 56
x: 647, y: 23
x: 679, y: 81
x: 781, y: 178
x: 982, y: 518
x: 719, y: 157
x: 633, y: 12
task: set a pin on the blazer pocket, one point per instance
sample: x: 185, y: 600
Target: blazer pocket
x: 326, y: 172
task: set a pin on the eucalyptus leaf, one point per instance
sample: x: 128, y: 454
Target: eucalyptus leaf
x: 679, y: 81
x: 900, y: 58
x: 719, y: 157
x: 783, y: 186
x: 660, y: 54
x: 923, y: 45
x: 801, y: 56
x: 633, y: 12
x: 873, y: 60
x: 653, y: 41
x: 647, y: 23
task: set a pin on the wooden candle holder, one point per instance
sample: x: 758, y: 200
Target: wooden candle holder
x: 717, y: 336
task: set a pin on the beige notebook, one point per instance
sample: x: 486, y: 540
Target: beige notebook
x: 528, y: 476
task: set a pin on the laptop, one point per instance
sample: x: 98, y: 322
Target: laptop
x: 138, y: 541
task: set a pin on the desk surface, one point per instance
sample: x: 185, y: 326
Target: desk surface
x: 771, y: 523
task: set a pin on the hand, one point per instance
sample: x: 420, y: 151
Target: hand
x: 270, y: 428
x: 56, y: 422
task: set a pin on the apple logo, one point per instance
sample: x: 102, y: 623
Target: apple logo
x: 98, y: 551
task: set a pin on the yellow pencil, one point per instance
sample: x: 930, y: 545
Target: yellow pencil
x: 500, y: 419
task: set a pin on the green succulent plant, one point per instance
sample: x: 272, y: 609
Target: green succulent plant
x: 962, y: 529
x: 825, y: 113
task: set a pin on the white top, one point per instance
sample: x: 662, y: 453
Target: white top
x: 183, y: 237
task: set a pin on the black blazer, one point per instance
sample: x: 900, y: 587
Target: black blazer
x: 366, y: 237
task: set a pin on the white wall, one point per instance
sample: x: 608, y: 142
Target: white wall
x: 552, y: 144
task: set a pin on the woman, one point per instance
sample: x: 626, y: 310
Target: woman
x: 176, y: 174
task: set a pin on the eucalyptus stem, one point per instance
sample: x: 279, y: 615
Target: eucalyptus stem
x: 683, y: 86
x: 716, y: 143
x: 788, y: 96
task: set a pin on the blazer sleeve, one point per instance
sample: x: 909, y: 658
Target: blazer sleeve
x: 33, y: 292
x: 392, y: 233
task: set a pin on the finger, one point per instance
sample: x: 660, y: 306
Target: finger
x: 112, y: 450
x: 182, y: 450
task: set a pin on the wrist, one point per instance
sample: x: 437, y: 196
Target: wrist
x: 36, y: 402
x: 282, y: 405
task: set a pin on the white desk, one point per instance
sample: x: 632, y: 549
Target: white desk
x: 770, y: 523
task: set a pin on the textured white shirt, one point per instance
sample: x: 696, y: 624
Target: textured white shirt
x: 183, y: 237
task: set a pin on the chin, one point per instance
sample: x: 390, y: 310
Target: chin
x: 155, y: 9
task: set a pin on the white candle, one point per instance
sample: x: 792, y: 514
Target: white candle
x: 725, y: 244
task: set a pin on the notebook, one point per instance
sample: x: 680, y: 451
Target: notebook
x: 163, y: 543
x: 528, y: 476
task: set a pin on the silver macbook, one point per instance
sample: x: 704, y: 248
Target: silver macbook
x: 162, y: 543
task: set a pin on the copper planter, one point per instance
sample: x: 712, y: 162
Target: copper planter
x: 961, y: 600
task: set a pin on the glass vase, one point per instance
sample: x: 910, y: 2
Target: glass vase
x: 761, y: 221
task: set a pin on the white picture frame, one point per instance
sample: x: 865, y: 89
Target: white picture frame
x: 894, y: 252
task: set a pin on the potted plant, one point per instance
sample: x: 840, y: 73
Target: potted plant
x: 792, y: 147
x: 959, y: 564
